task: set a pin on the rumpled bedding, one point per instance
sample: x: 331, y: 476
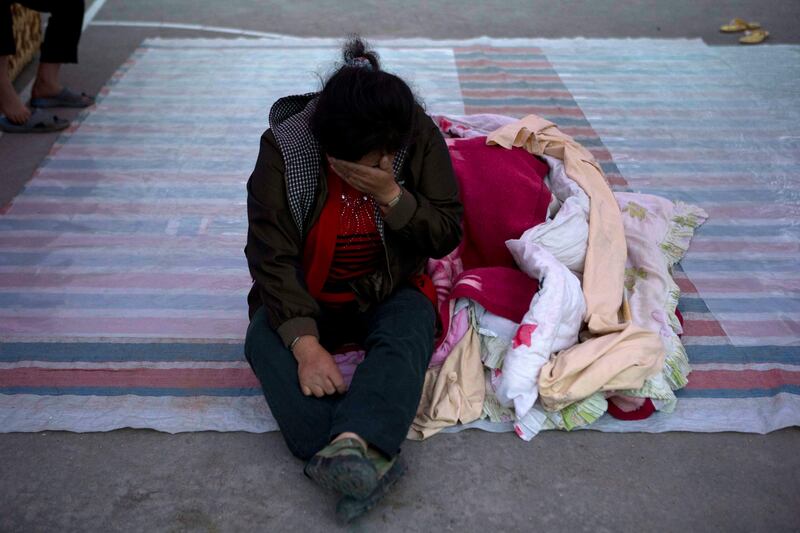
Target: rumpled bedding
x: 551, y: 324
x: 538, y: 372
x: 547, y: 344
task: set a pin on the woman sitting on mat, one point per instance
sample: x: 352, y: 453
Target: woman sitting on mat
x: 352, y: 193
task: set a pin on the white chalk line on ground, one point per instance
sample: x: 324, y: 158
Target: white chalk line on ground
x: 193, y: 27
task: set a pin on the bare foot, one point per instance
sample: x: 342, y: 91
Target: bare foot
x: 11, y: 106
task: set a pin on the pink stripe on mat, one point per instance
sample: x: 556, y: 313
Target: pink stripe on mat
x: 133, y: 151
x: 499, y: 78
x: 742, y: 379
x: 188, y: 378
x: 521, y: 63
x: 58, y: 206
x: 742, y: 328
x: 107, y: 176
x: 752, y: 211
x: 193, y: 281
x: 511, y: 93
x: 522, y: 110
x: 221, y: 243
x: 703, y: 245
x: 703, y: 328
x: 734, y: 285
x: 500, y: 50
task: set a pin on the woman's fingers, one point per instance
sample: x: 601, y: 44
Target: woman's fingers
x: 349, y: 170
x: 329, y: 386
x: 325, y: 386
x: 339, y: 383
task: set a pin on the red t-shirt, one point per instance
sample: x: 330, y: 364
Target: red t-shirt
x: 344, y: 244
x: 359, y: 250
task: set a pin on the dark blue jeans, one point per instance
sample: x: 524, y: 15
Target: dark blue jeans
x: 382, y: 400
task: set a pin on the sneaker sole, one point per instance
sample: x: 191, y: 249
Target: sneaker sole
x: 350, y: 508
x: 351, y: 476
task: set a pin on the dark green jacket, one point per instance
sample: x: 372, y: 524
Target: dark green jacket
x: 425, y: 223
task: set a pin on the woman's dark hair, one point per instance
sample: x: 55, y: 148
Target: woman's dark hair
x: 362, y: 108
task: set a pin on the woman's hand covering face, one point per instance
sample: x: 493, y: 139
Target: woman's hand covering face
x: 376, y: 180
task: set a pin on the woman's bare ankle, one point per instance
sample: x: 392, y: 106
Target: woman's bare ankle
x: 45, y: 90
x: 46, y: 83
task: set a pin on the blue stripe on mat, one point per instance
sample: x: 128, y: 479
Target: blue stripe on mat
x: 736, y: 393
x: 96, y: 352
x: 134, y: 391
x: 765, y: 304
x: 726, y: 353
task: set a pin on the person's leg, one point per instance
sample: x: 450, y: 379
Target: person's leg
x: 384, y: 394
x: 10, y: 104
x: 304, y: 420
x: 47, y: 82
x: 60, y: 43
x: 8, y: 47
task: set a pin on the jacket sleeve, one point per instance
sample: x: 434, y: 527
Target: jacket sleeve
x: 430, y: 215
x: 274, y: 248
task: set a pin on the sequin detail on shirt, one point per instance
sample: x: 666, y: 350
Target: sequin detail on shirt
x: 359, y: 250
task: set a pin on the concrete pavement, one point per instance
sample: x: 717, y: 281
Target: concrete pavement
x: 133, y: 480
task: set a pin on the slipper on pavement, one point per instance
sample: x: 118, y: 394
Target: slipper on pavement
x: 754, y: 37
x: 737, y: 25
x: 65, y: 98
x: 39, y: 122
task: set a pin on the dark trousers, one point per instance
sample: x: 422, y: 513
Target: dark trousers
x: 383, y: 397
x: 64, y: 28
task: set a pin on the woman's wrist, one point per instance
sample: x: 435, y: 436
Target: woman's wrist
x: 387, y: 201
x: 301, y: 344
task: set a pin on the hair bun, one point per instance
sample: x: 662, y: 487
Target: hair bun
x: 356, y: 54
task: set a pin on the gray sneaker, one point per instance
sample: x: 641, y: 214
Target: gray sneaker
x: 349, y: 508
x: 343, y: 466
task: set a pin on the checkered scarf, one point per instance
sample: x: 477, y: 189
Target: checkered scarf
x: 290, y: 120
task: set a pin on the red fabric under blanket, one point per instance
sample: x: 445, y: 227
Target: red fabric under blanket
x: 504, y: 194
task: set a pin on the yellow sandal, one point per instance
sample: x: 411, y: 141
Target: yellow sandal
x: 737, y: 25
x: 754, y: 37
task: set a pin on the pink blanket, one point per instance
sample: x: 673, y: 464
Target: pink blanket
x: 504, y: 194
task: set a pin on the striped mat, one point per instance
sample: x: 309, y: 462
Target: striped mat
x: 122, y: 277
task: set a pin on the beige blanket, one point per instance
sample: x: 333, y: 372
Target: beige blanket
x: 616, y: 355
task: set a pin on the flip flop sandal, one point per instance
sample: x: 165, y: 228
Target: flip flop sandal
x: 39, y: 122
x: 65, y: 98
x: 737, y: 25
x: 754, y: 37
